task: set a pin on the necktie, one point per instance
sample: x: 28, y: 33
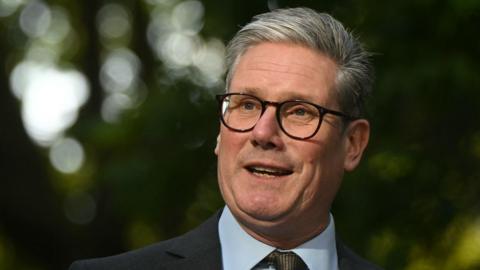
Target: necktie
x: 285, y: 261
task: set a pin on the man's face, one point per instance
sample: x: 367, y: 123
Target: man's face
x: 305, y: 174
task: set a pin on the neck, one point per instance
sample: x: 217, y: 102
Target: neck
x: 284, y: 236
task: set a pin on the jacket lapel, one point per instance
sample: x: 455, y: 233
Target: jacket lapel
x: 198, y: 249
x: 348, y: 260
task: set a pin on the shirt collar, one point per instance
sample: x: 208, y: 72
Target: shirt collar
x: 241, y: 251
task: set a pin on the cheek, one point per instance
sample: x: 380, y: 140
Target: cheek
x: 229, y: 139
x: 320, y: 170
x: 229, y: 145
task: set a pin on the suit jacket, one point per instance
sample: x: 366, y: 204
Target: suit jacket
x: 198, y: 249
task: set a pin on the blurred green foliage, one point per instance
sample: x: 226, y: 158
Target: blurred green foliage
x: 151, y: 174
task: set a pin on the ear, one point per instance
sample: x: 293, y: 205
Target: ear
x: 217, y: 145
x: 356, y: 140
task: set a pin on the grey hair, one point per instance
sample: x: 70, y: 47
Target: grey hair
x: 320, y: 32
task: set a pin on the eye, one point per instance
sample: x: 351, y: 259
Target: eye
x: 299, y: 111
x: 248, y: 105
x: 244, y: 104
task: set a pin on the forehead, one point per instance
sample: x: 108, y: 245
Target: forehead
x: 284, y: 71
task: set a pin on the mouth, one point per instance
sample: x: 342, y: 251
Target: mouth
x: 265, y: 171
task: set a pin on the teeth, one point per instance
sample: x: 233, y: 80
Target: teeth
x: 268, y: 171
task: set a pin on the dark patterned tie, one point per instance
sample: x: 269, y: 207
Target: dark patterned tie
x: 285, y: 261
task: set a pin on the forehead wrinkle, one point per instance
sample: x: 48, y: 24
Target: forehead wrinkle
x: 289, y: 68
x: 267, y: 66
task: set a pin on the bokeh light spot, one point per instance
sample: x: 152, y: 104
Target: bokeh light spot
x: 209, y: 60
x: 161, y: 2
x: 119, y: 71
x: 7, y: 7
x: 119, y: 79
x: 382, y: 245
x: 175, y: 38
x: 67, y: 155
x: 179, y: 49
x: 59, y: 27
x: 390, y: 166
x: 50, y: 98
x: 467, y: 251
x: 141, y: 234
x: 113, y: 21
x: 187, y: 16
x: 113, y: 106
x: 35, y: 19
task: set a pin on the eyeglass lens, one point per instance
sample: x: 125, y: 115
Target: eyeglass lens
x: 296, y: 118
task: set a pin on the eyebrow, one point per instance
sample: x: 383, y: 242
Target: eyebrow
x: 290, y: 94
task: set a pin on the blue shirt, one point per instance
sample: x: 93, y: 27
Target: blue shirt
x: 240, y: 251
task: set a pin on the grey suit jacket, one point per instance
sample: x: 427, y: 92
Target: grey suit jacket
x: 198, y: 249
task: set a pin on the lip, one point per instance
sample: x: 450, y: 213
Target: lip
x: 267, y: 169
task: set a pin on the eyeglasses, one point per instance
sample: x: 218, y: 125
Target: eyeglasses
x: 297, y: 118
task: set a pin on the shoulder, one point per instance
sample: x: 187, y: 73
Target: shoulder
x: 144, y: 258
x: 200, y: 242
x: 349, y: 260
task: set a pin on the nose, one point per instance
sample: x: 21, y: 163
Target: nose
x: 266, y: 133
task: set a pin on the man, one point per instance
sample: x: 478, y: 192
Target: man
x: 291, y: 125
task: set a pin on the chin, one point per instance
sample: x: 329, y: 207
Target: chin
x: 263, y: 211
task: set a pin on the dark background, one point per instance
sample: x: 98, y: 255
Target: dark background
x: 150, y: 172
